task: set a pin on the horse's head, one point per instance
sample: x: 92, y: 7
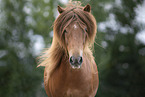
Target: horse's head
x: 74, y: 38
x: 75, y: 27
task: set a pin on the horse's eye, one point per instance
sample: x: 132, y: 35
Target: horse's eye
x: 86, y: 29
x: 64, y: 31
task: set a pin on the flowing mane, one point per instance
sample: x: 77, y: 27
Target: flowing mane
x: 53, y: 55
x: 71, y: 13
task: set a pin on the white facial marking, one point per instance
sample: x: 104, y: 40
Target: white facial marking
x: 75, y: 26
x: 81, y: 53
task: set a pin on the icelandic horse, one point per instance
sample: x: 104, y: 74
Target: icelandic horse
x: 70, y: 69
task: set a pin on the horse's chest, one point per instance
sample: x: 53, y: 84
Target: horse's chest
x: 74, y: 86
x: 72, y: 92
x: 71, y: 83
x: 76, y: 93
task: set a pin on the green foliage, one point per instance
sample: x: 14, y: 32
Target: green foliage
x: 123, y: 74
x: 18, y: 74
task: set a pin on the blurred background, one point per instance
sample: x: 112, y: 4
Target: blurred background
x: 26, y: 30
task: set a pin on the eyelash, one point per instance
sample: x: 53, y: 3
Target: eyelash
x: 64, y: 31
x: 86, y: 30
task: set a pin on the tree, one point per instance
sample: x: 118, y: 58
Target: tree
x: 18, y: 73
x: 123, y: 74
x: 120, y: 61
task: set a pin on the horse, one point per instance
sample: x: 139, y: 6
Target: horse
x: 70, y: 69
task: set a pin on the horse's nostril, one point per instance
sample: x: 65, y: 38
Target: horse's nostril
x: 76, y: 61
x: 71, y: 59
x: 80, y: 60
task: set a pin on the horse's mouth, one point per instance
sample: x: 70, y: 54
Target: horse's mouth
x: 76, y: 66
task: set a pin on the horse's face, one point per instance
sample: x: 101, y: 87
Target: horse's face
x: 75, y: 29
x: 74, y: 39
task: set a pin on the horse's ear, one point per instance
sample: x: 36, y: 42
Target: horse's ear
x: 60, y: 9
x: 87, y: 8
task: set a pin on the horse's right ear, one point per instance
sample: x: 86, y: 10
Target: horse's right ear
x: 87, y: 8
x: 60, y: 9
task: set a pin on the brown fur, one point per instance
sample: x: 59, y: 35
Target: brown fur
x: 55, y: 59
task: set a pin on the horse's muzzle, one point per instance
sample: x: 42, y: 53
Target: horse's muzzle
x: 76, y: 62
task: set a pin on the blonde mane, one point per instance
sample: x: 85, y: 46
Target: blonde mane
x: 51, y: 58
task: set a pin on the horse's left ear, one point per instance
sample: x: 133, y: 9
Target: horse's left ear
x: 87, y: 8
x: 60, y: 9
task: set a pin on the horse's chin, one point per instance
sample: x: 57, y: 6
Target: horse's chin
x: 76, y: 66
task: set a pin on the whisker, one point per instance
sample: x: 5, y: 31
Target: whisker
x: 98, y: 45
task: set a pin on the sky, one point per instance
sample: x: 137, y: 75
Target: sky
x: 140, y: 18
